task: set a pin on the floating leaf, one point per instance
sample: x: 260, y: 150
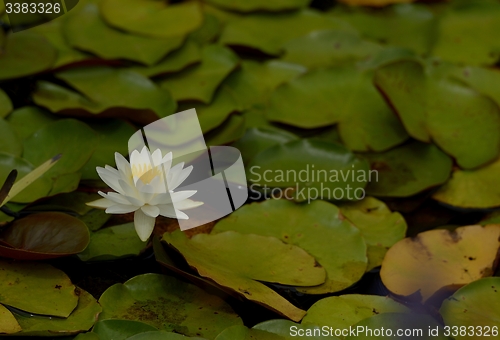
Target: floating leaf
x: 408, y: 170
x: 208, y: 31
x: 8, y: 323
x: 434, y: 107
x: 473, y: 306
x: 43, y: 236
x: 53, y: 32
x: 29, y: 119
x: 23, y: 283
x: 25, y: 54
x: 412, y: 20
x: 114, y: 135
x: 5, y: 104
x: 9, y: 142
x: 120, y: 329
x: 168, y: 304
x: 475, y: 189
x: 152, y: 18
x: 38, y: 189
x: 84, y: 26
x: 72, y: 139
x: 187, y: 54
x: 317, y: 228
x: 380, y: 227
x: 328, y: 48
x: 375, y: 3
x: 337, y: 173
x: 343, y: 95
x: 414, y: 326
x: 200, y: 81
x: 269, y: 32
x: 252, y: 83
x: 260, y: 5
x: 290, y: 330
x: 465, y: 33
x: 244, y: 333
x: 151, y: 102
x: 342, y: 312
x: 219, y: 258
x: 257, y: 140
x: 81, y: 319
x: 232, y: 129
x: 112, y: 243
x: 438, y: 261
x: 484, y: 80
x: 161, y: 335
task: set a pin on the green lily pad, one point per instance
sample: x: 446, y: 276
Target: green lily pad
x: 465, y: 33
x: 438, y: 261
x: 168, y: 304
x: 84, y: 26
x: 152, y: 18
x: 63, y: 101
x: 95, y: 219
x: 22, y: 284
x: 208, y: 31
x: 257, y: 140
x: 53, y: 31
x: 214, y: 114
x: 219, y: 258
x: 161, y: 335
x: 260, y: 5
x: 418, y: 326
x: 5, y: 104
x: 380, y: 227
x: 290, y: 330
x: 36, y: 190
x: 29, y: 119
x: 119, y: 88
x: 244, y: 333
x: 412, y: 20
x: 253, y: 82
x: 312, y: 169
x: 26, y: 54
x: 81, y: 319
x: 328, y: 48
x: 493, y: 218
x: 475, y: 189
x: 269, y: 32
x: 113, y: 243
x: 343, y: 95
x: 317, y: 228
x: 43, y: 236
x: 120, y: 329
x: 473, y: 306
x: 341, y: 312
x: 186, y: 55
x: 8, y: 323
x: 113, y: 137
x: 483, y: 80
x: 74, y: 140
x: 408, y: 170
x: 434, y: 107
x: 9, y: 142
x: 229, y: 131
x: 200, y: 81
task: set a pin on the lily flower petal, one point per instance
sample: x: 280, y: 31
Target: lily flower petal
x: 144, y: 225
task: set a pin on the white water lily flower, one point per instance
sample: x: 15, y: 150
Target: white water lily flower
x: 140, y: 186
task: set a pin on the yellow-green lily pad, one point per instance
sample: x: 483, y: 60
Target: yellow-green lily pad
x: 260, y: 5
x: 290, y: 330
x: 168, y: 304
x: 8, y: 323
x: 318, y: 228
x: 22, y: 284
x: 5, y: 104
x: 220, y: 258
